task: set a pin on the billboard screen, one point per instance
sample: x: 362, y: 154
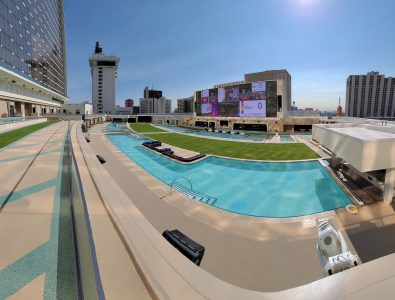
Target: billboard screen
x: 243, y: 100
x: 252, y: 108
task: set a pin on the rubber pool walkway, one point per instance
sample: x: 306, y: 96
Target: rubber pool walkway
x: 30, y: 186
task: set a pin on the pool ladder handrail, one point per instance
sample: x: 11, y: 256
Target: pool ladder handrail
x: 174, y: 181
x: 191, y: 192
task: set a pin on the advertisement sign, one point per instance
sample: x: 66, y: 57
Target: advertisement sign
x: 252, y: 108
x: 206, y: 108
x: 221, y: 95
x: 259, y: 86
x: 244, y: 100
x: 214, y: 109
x: 205, y: 93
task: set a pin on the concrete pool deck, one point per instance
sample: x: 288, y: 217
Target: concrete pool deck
x: 29, y: 216
x: 252, y: 253
x: 30, y: 230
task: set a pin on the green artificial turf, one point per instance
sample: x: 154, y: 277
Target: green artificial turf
x: 145, y: 127
x: 256, y: 151
x: 14, y: 135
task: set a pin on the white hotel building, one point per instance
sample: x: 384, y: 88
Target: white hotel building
x: 104, y: 74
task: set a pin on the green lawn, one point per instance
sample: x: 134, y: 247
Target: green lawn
x: 14, y: 135
x: 145, y: 127
x: 257, y: 151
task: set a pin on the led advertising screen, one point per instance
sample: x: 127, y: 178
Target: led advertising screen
x: 243, y: 100
x: 252, y: 108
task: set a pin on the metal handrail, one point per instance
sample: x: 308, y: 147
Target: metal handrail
x: 174, y: 181
x: 193, y: 192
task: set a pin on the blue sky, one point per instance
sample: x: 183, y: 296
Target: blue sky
x: 180, y: 46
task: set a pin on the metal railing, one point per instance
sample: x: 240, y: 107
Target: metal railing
x: 175, y: 180
x: 190, y: 192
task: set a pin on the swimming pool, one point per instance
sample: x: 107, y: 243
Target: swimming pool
x: 286, y: 139
x: 259, y: 189
x: 16, y: 119
x: 116, y: 127
x: 256, y: 138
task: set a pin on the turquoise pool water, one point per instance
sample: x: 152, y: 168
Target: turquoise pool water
x: 204, y: 133
x: 16, y: 119
x: 250, y: 188
x: 116, y: 127
x: 286, y: 139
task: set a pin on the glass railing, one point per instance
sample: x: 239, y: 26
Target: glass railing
x: 81, y: 279
x: 16, y: 119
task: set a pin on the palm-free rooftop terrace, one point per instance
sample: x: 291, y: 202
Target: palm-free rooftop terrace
x: 253, y: 204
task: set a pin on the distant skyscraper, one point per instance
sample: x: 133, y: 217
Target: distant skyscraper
x: 152, y: 94
x: 370, y: 95
x: 155, y: 106
x: 32, y: 57
x: 129, y: 103
x: 154, y: 102
x: 104, y: 73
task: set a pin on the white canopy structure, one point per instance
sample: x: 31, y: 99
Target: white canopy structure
x: 367, y: 147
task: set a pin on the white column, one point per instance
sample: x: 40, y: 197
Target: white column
x: 389, y: 185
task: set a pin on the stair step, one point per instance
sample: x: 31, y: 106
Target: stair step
x: 194, y: 194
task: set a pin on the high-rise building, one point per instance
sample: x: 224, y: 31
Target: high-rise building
x: 370, y: 95
x: 155, y: 106
x: 32, y: 58
x: 152, y: 94
x: 129, y: 103
x: 185, y: 105
x: 154, y: 102
x: 104, y: 73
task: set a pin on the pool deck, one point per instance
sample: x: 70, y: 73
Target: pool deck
x: 30, y: 225
x: 249, y: 252
x: 29, y: 215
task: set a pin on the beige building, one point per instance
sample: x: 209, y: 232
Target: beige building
x: 77, y: 109
x: 155, y: 105
x: 283, y: 79
x: 283, y: 86
x: 185, y: 105
x: 370, y: 95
